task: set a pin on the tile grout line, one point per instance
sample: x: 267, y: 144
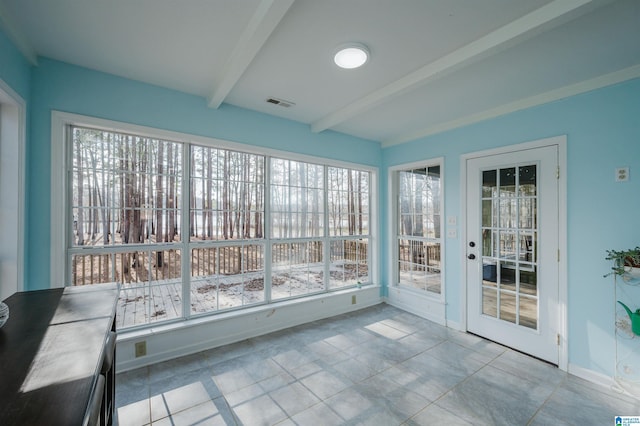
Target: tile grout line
x: 564, y: 379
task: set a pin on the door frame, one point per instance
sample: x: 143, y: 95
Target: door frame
x: 561, y: 143
x: 13, y: 119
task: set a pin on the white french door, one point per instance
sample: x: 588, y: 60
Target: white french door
x: 512, y: 249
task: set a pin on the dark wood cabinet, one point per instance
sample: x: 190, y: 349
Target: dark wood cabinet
x: 57, y: 357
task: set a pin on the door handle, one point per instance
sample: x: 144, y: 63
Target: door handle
x: 471, y: 256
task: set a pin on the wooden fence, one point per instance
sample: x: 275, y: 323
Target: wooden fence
x: 165, y: 265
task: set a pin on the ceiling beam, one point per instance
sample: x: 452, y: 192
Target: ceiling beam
x: 521, y: 104
x: 265, y: 19
x: 16, y: 36
x: 501, y: 38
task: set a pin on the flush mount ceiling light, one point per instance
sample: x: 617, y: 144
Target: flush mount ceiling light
x: 352, y: 55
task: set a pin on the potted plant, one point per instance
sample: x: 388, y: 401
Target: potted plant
x: 626, y: 263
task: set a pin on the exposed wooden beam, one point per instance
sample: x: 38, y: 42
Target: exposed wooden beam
x: 491, y: 43
x: 16, y: 36
x: 266, y: 18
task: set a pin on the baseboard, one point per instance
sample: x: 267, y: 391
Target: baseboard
x: 188, y: 337
x: 591, y: 376
x: 455, y: 325
x: 418, y: 304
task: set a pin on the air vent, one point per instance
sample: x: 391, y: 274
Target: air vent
x: 280, y: 102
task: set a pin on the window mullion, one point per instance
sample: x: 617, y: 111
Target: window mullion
x: 68, y: 202
x: 266, y: 232
x: 185, y: 237
x: 326, y: 240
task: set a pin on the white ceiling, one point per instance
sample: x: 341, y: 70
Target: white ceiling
x: 435, y: 64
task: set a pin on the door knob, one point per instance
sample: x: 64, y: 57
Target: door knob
x: 471, y: 256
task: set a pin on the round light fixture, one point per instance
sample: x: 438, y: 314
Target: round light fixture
x: 352, y: 55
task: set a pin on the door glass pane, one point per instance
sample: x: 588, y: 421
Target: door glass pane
x: 527, y: 213
x: 507, y: 244
x: 489, y: 183
x: 508, y: 306
x: 508, y: 182
x: 529, y: 281
x: 509, y: 241
x: 508, y: 213
x: 487, y: 213
x: 489, y: 302
x: 529, y: 312
x: 527, y: 245
x: 527, y: 175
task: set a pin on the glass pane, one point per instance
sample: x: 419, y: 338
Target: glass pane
x: 528, y: 213
x: 507, y: 278
x: 508, y: 213
x: 419, y: 216
x: 124, y: 189
x: 240, y: 275
x: 528, y: 182
x: 151, y: 286
x: 419, y: 202
x: 489, y: 273
x: 166, y: 302
x: 226, y: 194
x: 132, y: 307
x: 348, y: 265
x: 529, y: 312
x: 92, y: 269
x: 508, y: 182
x: 508, y: 306
x: 297, y: 269
x: 433, y: 273
x: 527, y: 246
x: 528, y: 281
x: 489, y: 302
x: 348, y: 201
x: 489, y: 183
x: 204, y: 280
x: 487, y: 242
x: 487, y: 213
x: 507, y: 245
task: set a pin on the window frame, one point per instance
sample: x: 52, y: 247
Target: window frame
x: 60, y: 270
x: 394, y: 232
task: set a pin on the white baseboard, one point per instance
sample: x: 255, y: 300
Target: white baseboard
x: 418, y: 304
x: 591, y: 376
x: 455, y: 325
x: 169, y: 341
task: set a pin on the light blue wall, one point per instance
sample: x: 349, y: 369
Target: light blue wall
x: 63, y: 87
x: 603, y: 132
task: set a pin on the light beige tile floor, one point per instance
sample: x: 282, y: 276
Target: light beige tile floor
x: 377, y: 366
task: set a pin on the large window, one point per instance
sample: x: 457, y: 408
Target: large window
x: 188, y: 229
x: 419, y: 228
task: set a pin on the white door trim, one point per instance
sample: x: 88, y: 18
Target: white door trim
x: 13, y: 113
x: 561, y: 143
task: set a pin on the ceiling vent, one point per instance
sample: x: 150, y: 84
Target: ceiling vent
x: 280, y: 102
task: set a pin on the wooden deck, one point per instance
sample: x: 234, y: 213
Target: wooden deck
x: 141, y: 304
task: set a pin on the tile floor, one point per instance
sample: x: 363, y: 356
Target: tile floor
x: 377, y: 366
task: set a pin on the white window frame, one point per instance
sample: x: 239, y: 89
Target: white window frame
x: 420, y: 302
x: 61, y: 122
